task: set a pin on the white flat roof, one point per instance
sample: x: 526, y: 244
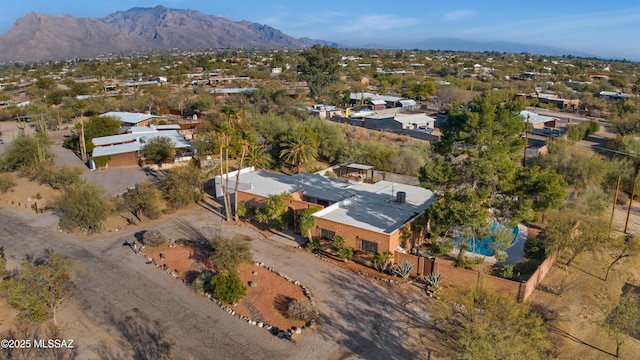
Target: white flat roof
x: 367, y: 206
x: 124, y: 143
x: 534, y: 118
x: 129, y: 118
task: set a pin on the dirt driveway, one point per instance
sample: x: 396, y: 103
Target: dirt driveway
x: 136, y: 311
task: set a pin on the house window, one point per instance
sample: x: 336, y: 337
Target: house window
x: 327, y: 234
x: 369, y: 246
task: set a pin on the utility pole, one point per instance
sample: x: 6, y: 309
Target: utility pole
x: 633, y: 192
x: 83, y: 145
x: 615, y: 200
x: 526, y: 144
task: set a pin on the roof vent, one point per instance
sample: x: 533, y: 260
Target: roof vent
x: 401, y: 197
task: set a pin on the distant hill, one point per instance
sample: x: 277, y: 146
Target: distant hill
x: 452, y: 44
x: 37, y: 37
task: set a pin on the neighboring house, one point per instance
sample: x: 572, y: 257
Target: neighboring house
x: 612, y: 95
x: 555, y: 100
x: 538, y: 121
x: 536, y: 148
x: 371, y: 217
x: 399, y: 121
x: 134, y: 119
x: 389, y: 100
x: 126, y: 149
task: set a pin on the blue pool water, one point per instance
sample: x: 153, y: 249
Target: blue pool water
x: 483, y: 246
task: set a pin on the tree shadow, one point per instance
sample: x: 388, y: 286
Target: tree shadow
x: 557, y: 331
x: 190, y: 231
x: 371, y: 323
x: 281, y: 303
x: 190, y: 276
x: 590, y: 274
x: 156, y: 176
x: 144, y: 336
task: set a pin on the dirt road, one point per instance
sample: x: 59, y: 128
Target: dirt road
x: 140, y: 312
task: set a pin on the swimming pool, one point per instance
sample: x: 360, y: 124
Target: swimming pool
x: 483, y: 246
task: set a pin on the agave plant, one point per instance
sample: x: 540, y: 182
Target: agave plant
x: 403, y: 269
x: 435, y: 280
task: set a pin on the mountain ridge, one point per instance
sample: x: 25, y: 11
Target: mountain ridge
x: 37, y: 37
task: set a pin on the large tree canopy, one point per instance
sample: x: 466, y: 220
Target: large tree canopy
x: 319, y: 68
x: 478, y: 168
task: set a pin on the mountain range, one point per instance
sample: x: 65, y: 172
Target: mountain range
x: 37, y: 37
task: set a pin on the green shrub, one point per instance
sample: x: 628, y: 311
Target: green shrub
x: 227, y: 288
x: 507, y: 272
x: 101, y: 161
x: 345, y: 253
x: 229, y: 253
x: 525, y: 268
x: 338, y: 242
x: 313, y: 245
x: 202, y: 284
x: 154, y: 238
x: 83, y: 206
x: 245, y: 210
x: 300, y: 310
x: 381, y: 260
x: 534, y: 249
x: 55, y: 177
x: 7, y: 182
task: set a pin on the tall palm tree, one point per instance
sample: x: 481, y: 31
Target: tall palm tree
x: 245, y: 139
x: 223, y: 132
x: 298, y: 149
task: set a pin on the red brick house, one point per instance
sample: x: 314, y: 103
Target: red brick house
x: 371, y: 217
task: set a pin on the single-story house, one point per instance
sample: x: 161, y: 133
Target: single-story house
x: 405, y: 121
x: 390, y: 101
x: 134, y: 119
x: 553, y: 99
x: 371, y: 217
x: 126, y: 149
x: 538, y: 121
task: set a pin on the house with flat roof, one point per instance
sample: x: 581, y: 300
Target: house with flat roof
x: 134, y: 119
x: 537, y: 121
x: 371, y: 217
x: 405, y: 121
x: 126, y: 149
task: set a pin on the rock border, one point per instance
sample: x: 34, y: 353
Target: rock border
x: 273, y: 330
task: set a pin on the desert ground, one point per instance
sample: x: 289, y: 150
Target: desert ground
x: 128, y: 309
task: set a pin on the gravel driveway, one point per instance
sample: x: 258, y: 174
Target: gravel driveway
x: 146, y: 311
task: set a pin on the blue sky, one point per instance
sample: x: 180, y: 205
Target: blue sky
x: 605, y: 29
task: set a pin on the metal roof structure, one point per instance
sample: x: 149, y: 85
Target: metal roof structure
x: 129, y: 118
x: 125, y: 143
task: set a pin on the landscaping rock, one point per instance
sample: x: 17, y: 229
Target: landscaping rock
x: 253, y: 284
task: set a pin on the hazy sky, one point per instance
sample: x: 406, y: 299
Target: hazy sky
x: 601, y: 28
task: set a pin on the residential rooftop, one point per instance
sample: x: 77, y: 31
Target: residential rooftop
x: 375, y: 207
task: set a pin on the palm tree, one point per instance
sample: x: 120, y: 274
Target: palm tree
x: 245, y: 139
x: 258, y: 157
x: 223, y: 132
x: 298, y: 149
